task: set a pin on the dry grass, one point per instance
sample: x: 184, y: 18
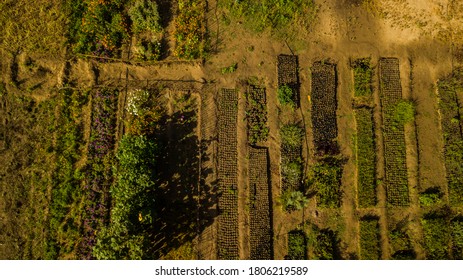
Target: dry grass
x: 33, y: 26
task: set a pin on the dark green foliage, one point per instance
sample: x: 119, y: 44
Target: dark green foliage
x: 326, y: 246
x: 436, y: 234
x: 362, y: 77
x: 325, y: 180
x: 133, y: 213
x: 370, y: 247
x: 456, y: 226
x: 297, y: 245
x: 286, y: 96
x: 149, y: 50
x: 256, y: 116
x: 366, y: 158
x: 404, y: 112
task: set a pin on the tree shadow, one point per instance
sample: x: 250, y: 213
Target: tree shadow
x: 184, y: 200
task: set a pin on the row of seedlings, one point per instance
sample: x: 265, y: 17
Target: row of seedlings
x: 327, y: 171
x: 365, y: 138
x: 260, y: 208
x: 396, y: 179
x: 98, y: 177
x: 450, y: 117
x: 228, y: 175
x: 259, y: 185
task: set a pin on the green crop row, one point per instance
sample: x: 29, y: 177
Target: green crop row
x: 370, y: 247
x: 325, y: 179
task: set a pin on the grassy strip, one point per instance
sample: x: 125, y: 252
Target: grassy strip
x: 436, y: 236
x: 453, y: 138
x: 190, y: 29
x: 297, y: 245
x: 366, y: 158
x: 65, y: 213
x: 279, y: 16
x: 370, y: 247
x: 325, y: 180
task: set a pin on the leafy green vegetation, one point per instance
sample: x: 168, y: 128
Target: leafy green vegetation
x: 66, y: 194
x: 436, y: 234
x: 190, y: 29
x: 456, y: 227
x: 132, y: 214
x: 370, y: 247
x: 297, y: 245
x: 326, y: 245
x: 366, y: 158
x: 286, y: 96
x: 293, y: 200
x: 325, y: 180
x: 97, y: 27
x: 278, y: 16
x: 291, y: 135
x: 145, y: 16
x: 362, y: 77
x: 430, y: 197
x: 256, y: 116
x: 404, y: 112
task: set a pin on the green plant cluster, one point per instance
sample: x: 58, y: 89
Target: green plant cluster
x: 436, y: 236
x: 401, y: 246
x: 145, y: 16
x: 286, y: 96
x: 229, y: 69
x: 430, y: 197
x: 362, y: 77
x: 293, y: 200
x: 291, y: 136
x: 453, y: 138
x: 291, y: 165
x: 325, y: 180
x: 97, y: 27
x: 132, y: 214
x: 456, y: 227
x: 278, y: 16
x: 326, y: 245
x: 190, y: 29
x: 297, y: 245
x: 66, y: 192
x: 370, y: 247
x: 366, y: 158
x: 404, y: 112
x: 256, y: 116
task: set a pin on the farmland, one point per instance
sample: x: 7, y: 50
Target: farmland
x: 230, y: 130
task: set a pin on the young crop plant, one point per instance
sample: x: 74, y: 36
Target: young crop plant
x: 430, y: 197
x: 297, y: 245
x: 404, y: 112
x: 362, y: 77
x: 229, y: 69
x: 456, y: 227
x: 286, y: 96
x: 436, y: 232
x: 326, y: 245
x: 291, y: 135
x: 366, y: 158
x: 370, y: 247
x: 293, y: 200
x: 325, y: 180
x: 256, y: 115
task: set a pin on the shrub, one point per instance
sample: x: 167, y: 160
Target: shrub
x: 286, y: 96
x: 293, y: 200
x: 145, y: 16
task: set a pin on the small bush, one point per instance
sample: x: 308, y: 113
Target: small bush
x: 145, y: 16
x: 293, y: 200
x: 286, y: 96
